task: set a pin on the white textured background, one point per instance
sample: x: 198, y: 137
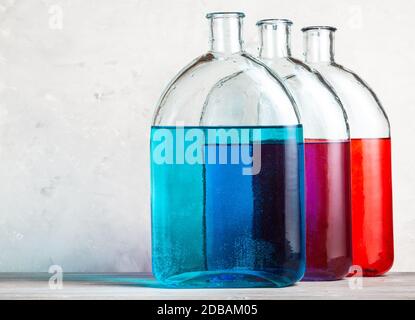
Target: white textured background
x: 79, y: 80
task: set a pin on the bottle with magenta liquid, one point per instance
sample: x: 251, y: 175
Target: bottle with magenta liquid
x: 372, y: 228
x: 327, y: 155
x: 227, y: 172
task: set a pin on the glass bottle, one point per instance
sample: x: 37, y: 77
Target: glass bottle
x: 327, y: 155
x: 372, y: 229
x: 227, y: 172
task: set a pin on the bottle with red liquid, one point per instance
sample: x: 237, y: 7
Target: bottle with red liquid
x: 372, y: 228
x: 327, y: 155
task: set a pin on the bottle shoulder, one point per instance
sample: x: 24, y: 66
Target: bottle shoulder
x: 345, y: 81
x: 366, y: 114
x: 226, y: 90
x: 321, y: 111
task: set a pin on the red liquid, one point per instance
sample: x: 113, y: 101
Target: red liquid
x: 328, y: 209
x: 372, y: 205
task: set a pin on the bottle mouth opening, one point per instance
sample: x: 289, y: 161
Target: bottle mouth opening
x: 329, y: 28
x: 214, y: 15
x: 274, y: 22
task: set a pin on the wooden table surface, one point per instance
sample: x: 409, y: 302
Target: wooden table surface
x: 142, y: 286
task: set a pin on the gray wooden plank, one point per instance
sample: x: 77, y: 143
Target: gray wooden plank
x: 142, y: 286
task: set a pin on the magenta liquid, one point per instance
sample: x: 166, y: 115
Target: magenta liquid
x: 328, y: 209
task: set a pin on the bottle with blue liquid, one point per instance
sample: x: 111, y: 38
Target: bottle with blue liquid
x: 227, y: 172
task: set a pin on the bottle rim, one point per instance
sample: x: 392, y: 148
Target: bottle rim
x: 224, y: 14
x: 330, y: 28
x: 274, y: 22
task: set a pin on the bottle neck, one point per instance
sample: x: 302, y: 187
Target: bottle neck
x: 275, y: 39
x: 319, y: 45
x: 226, y: 33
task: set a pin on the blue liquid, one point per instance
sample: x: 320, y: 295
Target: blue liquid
x: 214, y: 226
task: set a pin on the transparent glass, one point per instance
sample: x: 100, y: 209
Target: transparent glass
x: 213, y: 223
x: 327, y: 154
x: 372, y: 228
